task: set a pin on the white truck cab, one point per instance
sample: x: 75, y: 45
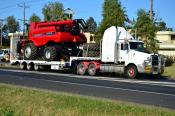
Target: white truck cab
x: 119, y: 47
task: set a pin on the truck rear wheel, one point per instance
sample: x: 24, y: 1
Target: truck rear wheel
x: 49, y: 53
x: 92, y: 69
x: 131, y: 71
x: 81, y: 69
x: 30, y: 51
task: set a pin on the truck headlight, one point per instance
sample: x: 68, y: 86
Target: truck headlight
x: 147, y: 63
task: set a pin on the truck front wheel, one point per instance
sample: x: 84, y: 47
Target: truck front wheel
x: 131, y: 71
x: 30, y: 51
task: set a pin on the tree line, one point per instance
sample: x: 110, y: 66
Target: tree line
x: 113, y: 14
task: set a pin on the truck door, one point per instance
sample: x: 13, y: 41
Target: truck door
x: 124, y: 50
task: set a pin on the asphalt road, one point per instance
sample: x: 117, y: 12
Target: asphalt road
x: 157, y: 93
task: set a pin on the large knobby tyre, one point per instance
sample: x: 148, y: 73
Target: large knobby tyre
x: 81, y: 69
x: 131, y: 71
x: 92, y: 69
x: 49, y: 53
x: 30, y: 51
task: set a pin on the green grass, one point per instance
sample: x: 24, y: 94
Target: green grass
x: 170, y: 71
x: 18, y: 101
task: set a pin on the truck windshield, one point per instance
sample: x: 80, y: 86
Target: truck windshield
x: 137, y: 46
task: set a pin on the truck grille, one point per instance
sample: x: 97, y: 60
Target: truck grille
x: 155, y: 60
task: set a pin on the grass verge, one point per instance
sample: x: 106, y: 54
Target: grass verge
x: 170, y: 71
x: 17, y: 101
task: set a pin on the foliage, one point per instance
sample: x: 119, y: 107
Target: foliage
x: 161, y: 26
x: 6, y: 111
x: 12, y: 25
x: 53, y: 11
x: 169, y: 60
x: 146, y: 29
x: 169, y: 71
x: 92, y: 25
x: 35, y: 18
x: 113, y: 15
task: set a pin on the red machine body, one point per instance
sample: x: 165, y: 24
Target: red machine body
x: 54, y: 40
x: 41, y: 33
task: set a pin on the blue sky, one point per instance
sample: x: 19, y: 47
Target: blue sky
x: 85, y: 8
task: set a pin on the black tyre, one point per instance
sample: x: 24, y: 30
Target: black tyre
x: 23, y: 66
x: 36, y: 67
x: 30, y: 66
x: 81, y: 69
x: 30, y: 51
x: 131, y: 71
x: 92, y: 69
x: 49, y: 53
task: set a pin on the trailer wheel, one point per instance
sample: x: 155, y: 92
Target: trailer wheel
x: 92, y: 69
x: 30, y: 51
x: 36, y: 67
x: 23, y: 66
x: 49, y: 53
x: 81, y: 69
x: 30, y: 66
x: 131, y: 71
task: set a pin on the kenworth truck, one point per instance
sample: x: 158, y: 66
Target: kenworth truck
x: 119, y: 53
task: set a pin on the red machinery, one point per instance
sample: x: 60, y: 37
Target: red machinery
x: 54, y: 40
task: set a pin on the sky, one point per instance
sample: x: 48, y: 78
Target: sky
x: 90, y: 8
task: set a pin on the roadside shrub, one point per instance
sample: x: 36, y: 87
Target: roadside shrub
x: 169, y: 60
x: 7, y: 111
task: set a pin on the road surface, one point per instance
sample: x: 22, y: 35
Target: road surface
x: 157, y: 93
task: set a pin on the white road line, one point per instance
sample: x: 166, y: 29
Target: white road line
x: 122, y: 89
x: 168, y: 84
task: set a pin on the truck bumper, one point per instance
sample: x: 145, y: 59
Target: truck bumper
x: 153, y: 70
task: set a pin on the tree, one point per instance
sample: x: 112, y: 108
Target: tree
x: 53, y: 11
x: 161, y: 26
x: 12, y: 24
x: 146, y: 29
x: 113, y: 15
x: 35, y: 18
x: 92, y: 25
